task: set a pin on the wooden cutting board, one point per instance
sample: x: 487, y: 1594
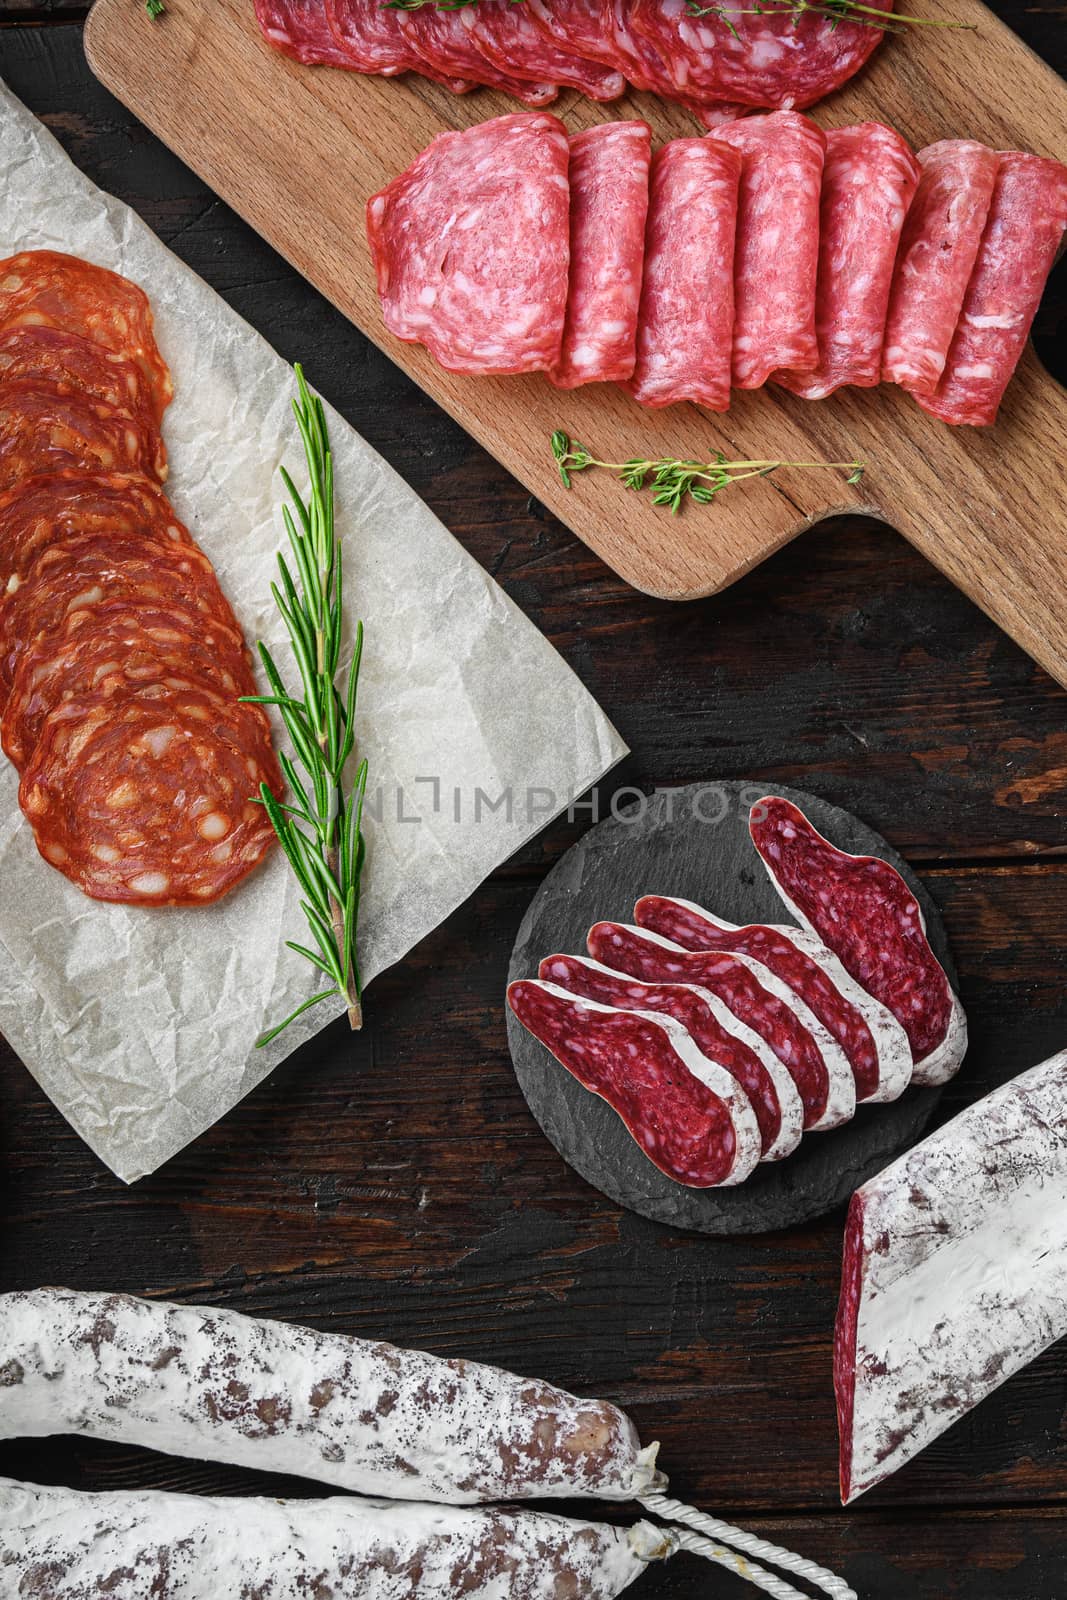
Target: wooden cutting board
x: 297, y: 151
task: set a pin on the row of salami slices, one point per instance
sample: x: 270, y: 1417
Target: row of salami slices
x: 720, y: 1045
x: 121, y: 661
x: 719, y: 64
x: 769, y: 250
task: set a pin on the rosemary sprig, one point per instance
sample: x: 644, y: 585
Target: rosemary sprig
x: 320, y: 824
x: 672, y: 480
x: 837, y: 10
x: 155, y: 8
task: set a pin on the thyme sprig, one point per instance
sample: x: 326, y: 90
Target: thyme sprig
x: 155, y: 8
x: 838, y: 10
x: 674, y: 481
x: 319, y: 825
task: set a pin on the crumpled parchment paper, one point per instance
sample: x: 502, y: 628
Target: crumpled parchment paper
x: 140, y: 1024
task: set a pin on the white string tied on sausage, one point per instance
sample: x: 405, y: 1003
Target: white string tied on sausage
x: 739, y: 1544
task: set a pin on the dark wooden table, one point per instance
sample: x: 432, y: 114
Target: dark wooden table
x: 397, y: 1186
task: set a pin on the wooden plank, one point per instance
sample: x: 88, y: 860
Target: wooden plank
x: 983, y: 506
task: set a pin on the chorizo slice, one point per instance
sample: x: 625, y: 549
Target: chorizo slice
x: 75, y: 362
x: 47, y: 427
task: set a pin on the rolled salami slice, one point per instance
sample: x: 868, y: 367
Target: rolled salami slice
x: 689, y: 1116
x: 471, y: 244
x: 61, y: 1545
x: 609, y: 170
x: 873, y: 1040
x: 715, y: 1031
x: 442, y: 39
x: 814, y: 1060
x: 46, y: 427
x: 868, y: 182
x: 513, y: 42
x: 299, y: 28
x: 43, y: 288
x: 687, y: 300
x: 360, y: 1415
x: 954, y: 1274
x: 1026, y: 222
x: 777, y: 222
x: 937, y: 252
x: 862, y: 910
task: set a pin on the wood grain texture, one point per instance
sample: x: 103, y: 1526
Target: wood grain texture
x: 979, y: 503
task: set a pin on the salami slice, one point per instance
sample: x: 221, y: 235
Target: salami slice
x: 713, y: 1028
x: 371, y: 40
x: 954, y: 1274
x: 757, y: 998
x: 471, y: 245
x: 147, y: 797
x: 687, y: 299
x: 777, y: 221
x: 581, y: 27
x: 688, y: 1115
x: 861, y: 908
x: 513, y: 42
x: 358, y: 1414
x: 46, y: 427
x: 609, y: 170
x: 69, y: 359
x: 443, y: 41
x: 42, y: 288
x: 54, y: 507
x: 868, y: 182
x: 1027, y: 217
x: 62, y: 1545
x: 299, y: 28
x: 761, y: 56
x: 124, y: 648
x: 937, y: 253
x: 872, y: 1039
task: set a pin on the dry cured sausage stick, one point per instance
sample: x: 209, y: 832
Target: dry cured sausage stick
x: 815, y: 1061
x: 608, y: 177
x: 935, y: 259
x: 62, y: 1545
x: 1026, y: 222
x: 715, y: 1031
x: 46, y: 427
x: 868, y: 182
x: 861, y: 909
x: 867, y: 1031
x: 43, y: 288
x: 363, y: 1416
x: 777, y: 221
x: 954, y: 1274
x: 689, y: 1115
x: 471, y: 244
x: 687, y: 299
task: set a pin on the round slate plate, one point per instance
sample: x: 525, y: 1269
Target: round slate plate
x: 694, y: 842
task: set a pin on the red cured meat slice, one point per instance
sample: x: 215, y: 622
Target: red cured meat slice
x: 511, y: 39
x: 42, y: 288
x: 868, y: 182
x: 299, y: 28
x: 689, y: 1116
x: 715, y: 1031
x: 147, y: 798
x: 861, y: 908
x: 935, y: 259
x: 871, y: 1037
x: 123, y: 648
x: 687, y: 302
x: 760, y: 57
x: 46, y: 427
x: 759, y: 999
x: 97, y: 569
x: 1026, y: 221
x: 609, y: 169
x: 717, y: 113
x: 443, y: 41
x: 471, y: 246
x: 954, y: 1274
x: 53, y: 507
x: 581, y: 27
x: 371, y: 40
x: 53, y: 356
x: 637, y: 55
x: 777, y: 222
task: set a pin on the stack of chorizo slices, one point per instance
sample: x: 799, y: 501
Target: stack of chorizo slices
x: 121, y: 661
x: 721, y: 1046
x: 767, y: 251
